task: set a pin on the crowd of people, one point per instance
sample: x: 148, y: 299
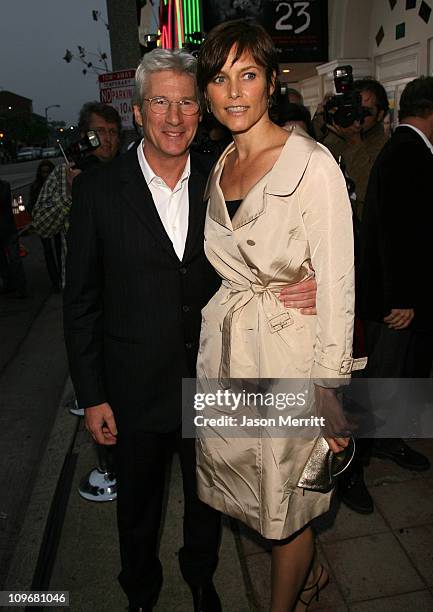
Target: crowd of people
x: 231, y: 258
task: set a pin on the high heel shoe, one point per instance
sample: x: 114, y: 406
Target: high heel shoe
x: 313, y: 592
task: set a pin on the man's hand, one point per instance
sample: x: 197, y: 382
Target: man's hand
x: 300, y: 295
x: 399, y: 318
x: 99, y: 421
x: 71, y: 173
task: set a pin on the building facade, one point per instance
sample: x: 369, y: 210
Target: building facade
x: 390, y: 40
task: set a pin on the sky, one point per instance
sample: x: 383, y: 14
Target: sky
x: 34, y: 35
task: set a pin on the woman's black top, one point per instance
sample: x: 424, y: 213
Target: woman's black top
x: 232, y: 206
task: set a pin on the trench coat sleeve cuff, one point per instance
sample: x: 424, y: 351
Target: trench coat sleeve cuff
x: 333, y: 375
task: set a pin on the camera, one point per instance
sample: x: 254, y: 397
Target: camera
x: 345, y: 107
x: 78, y: 151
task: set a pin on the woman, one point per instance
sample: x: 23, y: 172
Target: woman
x: 52, y: 246
x: 277, y: 208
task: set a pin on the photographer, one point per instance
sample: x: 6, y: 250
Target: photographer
x: 51, y: 211
x: 360, y: 142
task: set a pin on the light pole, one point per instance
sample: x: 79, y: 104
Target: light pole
x: 46, y: 110
x: 46, y: 117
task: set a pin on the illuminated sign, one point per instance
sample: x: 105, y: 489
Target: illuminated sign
x: 298, y: 29
x: 179, y: 22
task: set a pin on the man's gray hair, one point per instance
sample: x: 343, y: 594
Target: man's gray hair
x: 157, y: 60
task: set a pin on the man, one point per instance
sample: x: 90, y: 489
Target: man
x: 395, y: 301
x: 136, y: 282
x: 359, y: 144
x: 396, y: 241
x: 51, y: 211
x: 11, y: 266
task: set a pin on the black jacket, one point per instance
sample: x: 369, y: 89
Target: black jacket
x: 396, y: 233
x: 7, y: 223
x: 131, y: 307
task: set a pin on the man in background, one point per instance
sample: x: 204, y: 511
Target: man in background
x: 394, y: 300
x: 360, y: 143
x: 52, y: 209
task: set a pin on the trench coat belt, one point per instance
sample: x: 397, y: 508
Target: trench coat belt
x: 277, y: 317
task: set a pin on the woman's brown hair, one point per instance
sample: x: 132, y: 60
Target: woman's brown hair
x: 246, y: 36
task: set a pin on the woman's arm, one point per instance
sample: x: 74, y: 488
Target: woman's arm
x: 327, y: 218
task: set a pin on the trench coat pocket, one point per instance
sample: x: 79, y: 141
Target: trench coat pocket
x: 299, y: 337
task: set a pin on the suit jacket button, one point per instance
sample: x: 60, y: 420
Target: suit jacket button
x: 188, y: 345
x: 182, y: 270
x: 185, y: 308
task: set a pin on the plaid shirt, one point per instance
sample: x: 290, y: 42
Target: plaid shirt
x: 52, y: 208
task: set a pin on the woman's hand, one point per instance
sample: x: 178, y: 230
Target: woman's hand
x: 337, y: 444
x: 336, y: 428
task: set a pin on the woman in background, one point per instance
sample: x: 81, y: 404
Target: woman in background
x: 52, y: 246
x: 277, y: 209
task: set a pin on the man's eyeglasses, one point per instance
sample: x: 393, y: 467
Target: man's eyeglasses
x: 107, y: 132
x: 160, y: 105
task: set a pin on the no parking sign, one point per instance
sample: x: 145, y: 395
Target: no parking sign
x: 117, y: 89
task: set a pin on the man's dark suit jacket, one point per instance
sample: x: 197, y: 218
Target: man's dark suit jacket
x: 397, y: 231
x: 132, y: 309
x: 7, y: 223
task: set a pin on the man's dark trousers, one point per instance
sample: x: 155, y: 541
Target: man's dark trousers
x: 141, y: 464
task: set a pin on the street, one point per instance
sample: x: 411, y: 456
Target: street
x: 32, y: 376
x: 23, y: 173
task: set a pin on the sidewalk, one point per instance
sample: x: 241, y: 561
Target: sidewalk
x: 379, y: 562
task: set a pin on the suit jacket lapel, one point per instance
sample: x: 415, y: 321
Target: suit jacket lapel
x: 197, y: 209
x: 137, y: 195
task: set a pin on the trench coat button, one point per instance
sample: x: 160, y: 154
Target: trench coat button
x: 251, y: 242
x: 182, y: 270
x: 185, y: 308
x: 188, y: 345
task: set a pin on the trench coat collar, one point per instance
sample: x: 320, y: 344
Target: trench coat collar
x: 137, y: 195
x: 282, y: 180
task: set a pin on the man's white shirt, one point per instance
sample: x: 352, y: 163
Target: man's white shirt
x: 172, y: 205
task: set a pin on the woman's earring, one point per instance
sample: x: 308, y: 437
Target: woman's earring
x: 208, y: 107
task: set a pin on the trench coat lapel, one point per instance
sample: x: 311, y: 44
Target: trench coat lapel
x: 290, y: 167
x: 251, y: 208
x: 282, y: 179
x: 137, y: 195
x: 217, y: 209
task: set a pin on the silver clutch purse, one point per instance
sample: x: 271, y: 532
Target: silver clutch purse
x: 323, y: 466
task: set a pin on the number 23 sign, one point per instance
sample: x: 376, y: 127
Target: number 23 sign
x: 299, y: 29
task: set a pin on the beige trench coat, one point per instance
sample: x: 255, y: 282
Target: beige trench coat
x: 297, y: 217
